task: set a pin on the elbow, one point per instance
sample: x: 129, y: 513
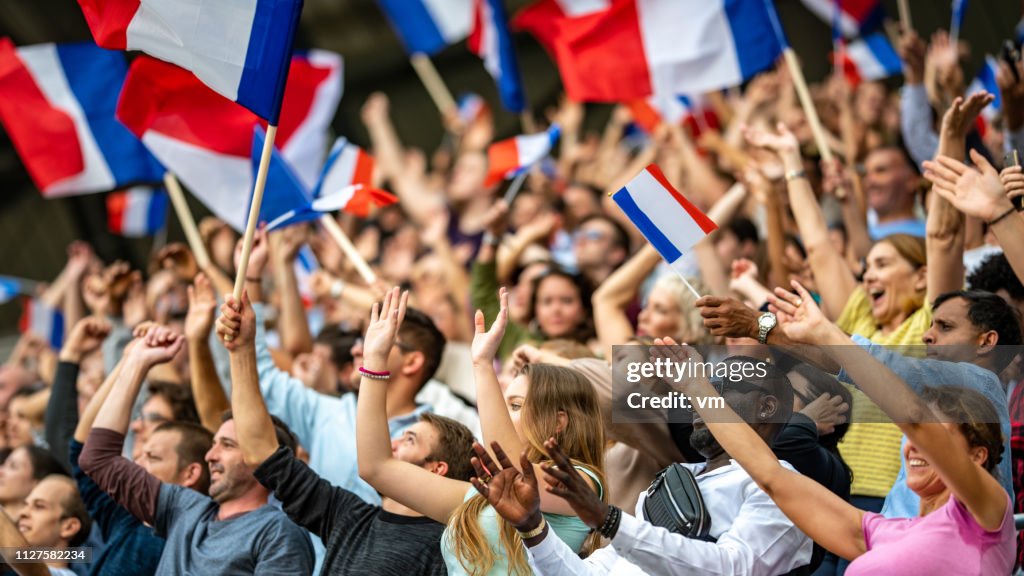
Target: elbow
x: 368, y: 473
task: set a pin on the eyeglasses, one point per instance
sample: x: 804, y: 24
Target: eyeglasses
x: 591, y: 235
x: 153, y: 418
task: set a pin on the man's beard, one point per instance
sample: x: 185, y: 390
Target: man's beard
x: 704, y: 442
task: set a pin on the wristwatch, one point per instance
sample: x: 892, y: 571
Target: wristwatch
x: 765, y: 323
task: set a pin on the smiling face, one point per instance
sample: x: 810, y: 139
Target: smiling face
x: 661, y: 316
x: 890, y: 183
x: 42, y: 521
x: 230, y: 478
x: 559, y: 309
x: 893, y: 286
x: 18, y: 428
x: 16, y: 477
x: 925, y: 480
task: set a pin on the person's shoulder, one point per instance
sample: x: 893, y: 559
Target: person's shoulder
x: 185, y: 499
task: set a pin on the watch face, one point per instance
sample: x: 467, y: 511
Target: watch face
x: 766, y: 321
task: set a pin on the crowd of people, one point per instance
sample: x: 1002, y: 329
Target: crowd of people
x: 456, y: 416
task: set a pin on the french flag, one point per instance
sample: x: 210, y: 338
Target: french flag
x: 57, y: 104
x: 346, y: 165
x: 507, y: 158
x: 869, y: 58
x: 428, y: 26
x: 10, y: 287
x: 855, y: 17
x: 241, y: 49
x: 492, y: 42
x: 693, y: 112
x: 44, y: 321
x: 985, y: 81
x: 471, y: 107
x: 636, y: 48
x: 137, y: 212
x: 670, y: 222
x: 206, y: 139
x: 305, y: 264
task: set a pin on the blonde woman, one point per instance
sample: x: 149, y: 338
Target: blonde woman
x: 542, y: 401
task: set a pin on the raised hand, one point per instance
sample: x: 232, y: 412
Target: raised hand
x: 87, y: 336
x: 512, y: 494
x: 783, y: 142
x: 800, y: 318
x: 976, y: 192
x: 257, y: 256
x: 385, y: 318
x: 565, y: 482
x: 236, y: 326
x: 202, y: 304
x: 159, y: 345
x: 1013, y: 181
x: 177, y: 258
x: 827, y: 411
x: 960, y: 116
x: 728, y: 317
x: 486, y: 342
x: 290, y: 240
x: 375, y: 109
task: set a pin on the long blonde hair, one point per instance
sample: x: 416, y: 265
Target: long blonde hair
x: 553, y: 389
x: 691, y: 329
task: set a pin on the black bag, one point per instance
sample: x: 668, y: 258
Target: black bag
x: 674, y: 502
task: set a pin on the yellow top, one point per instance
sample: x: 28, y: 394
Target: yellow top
x: 870, y: 448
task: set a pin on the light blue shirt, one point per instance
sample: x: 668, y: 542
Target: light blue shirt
x: 911, y: 227
x: 902, y: 502
x: 325, y: 425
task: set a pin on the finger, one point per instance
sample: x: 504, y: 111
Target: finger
x: 373, y: 312
x: 527, y: 468
x: 787, y: 297
x: 480, y: 487
x: 499, y: 453
x: 485, y: 458
x: 980, y: 161
x: 556, y: 475
x: 403, y: 305
x: 478, y: 320
x: 191, y: 297
x: 944, y: 172
x: 477, y: 465
x: 804, y: 294
x: 956, y: 166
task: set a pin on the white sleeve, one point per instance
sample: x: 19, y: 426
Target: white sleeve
x: 552, y: 557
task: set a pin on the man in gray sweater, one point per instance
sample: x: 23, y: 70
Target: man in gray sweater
x: 231, y: 531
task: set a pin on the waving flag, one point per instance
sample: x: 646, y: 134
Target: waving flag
x: 670, y: 222
x: 57, y: 104
x: 428, y: 26
x: 693, y: 112
x: 347, y: 165
x: 508, y: 157
x: 855, y: 18
x: 471, y: 108
x: 285, y: 202
x: 44, y: 321
x: 636, y: 48
x: 205, y: 139
x: 136, y: 212
x: 492, y: 42
x: 11, y: 287
x: 869, y: 58
x: 305, y: 265
x: 357, y: 199
x: 959, y: 12
x: 241, y: 49
x: 545, y: 18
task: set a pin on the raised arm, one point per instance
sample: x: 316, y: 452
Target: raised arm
x: 62, y: 409
x: 979, y: 491
x: 837, y: 282
x: 979, y: 192
x: 293, y: 326
x: 945, y: 227
x: 211, y: 401
x: 721, y: 213
x: 236, y: 327
x: 426, y: 492
x: 613, y: 296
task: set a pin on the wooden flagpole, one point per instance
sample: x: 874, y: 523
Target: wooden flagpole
x: 346, y: 246
x: 188, y: 223
x: 435, y: 86
x: 904, y: 8
x: 807, y: 104
x: 254, y: 210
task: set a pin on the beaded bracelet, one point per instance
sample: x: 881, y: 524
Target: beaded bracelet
x: 611, y: 522
x: 374, y: 375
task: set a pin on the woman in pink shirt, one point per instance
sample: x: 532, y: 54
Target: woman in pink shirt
x: 953, y: 446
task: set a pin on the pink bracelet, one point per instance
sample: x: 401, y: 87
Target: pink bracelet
x: 374, y: 375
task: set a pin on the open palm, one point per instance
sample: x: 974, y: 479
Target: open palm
x: 513, y: 494
x: 800, y: 318
x: 385, y: 319
x: 486, y: 342
x: 976, y: 192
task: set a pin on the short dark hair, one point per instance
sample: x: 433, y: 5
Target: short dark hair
x: 585, y: 331
x: 987, y: 311
x: 73, y: 507
x: 285, y: 436
x: 897, y: 144
x: 179, y: 397
x: 744, y: 229
x: 420, y: 332
x: 454, y: 446
x: 620, y: 237
x: 195, y: 441
x: 774, y: 382
x: 974, y: 414
x: 44, y: 463
x: 340, y: 341
x: 994, y: 273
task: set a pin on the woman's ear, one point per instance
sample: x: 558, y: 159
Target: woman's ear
x: 921, y: 279
x: 563, y: 422
x: 979, y: 455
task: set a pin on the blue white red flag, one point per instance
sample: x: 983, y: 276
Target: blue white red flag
x: 206, y: 139
x: 869, y: 58
x: 492, y: 42
x: 57, y: 104
x: 44, y: 321
x: 508, y: 158
x: 428, y: 26
x: 241, y: 49
x: 346, y: 165
x: 855, y: 18
x: 985, y: 81
x: 137, y: 212
x: 670, y: 222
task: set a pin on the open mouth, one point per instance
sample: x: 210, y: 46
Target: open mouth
x: 876, y: 295
x: 916, y: 463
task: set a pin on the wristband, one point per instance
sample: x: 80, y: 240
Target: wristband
x: 535, y: 532
x: 611, y: 522
x: 337, y: 287
x: 795, y: 175
x: 491, y: 239
x: 374, y: 375
x: 1002, y: 216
